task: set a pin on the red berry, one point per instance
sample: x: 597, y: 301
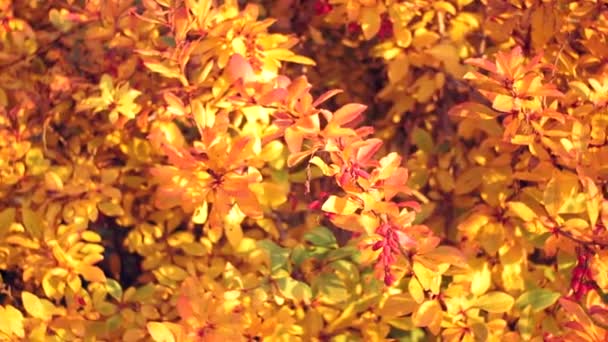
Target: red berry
x: 388, y: 278
x: 386, y: 28
x: 378, y: 245
x: 322, y: 7
x: 353, y: 28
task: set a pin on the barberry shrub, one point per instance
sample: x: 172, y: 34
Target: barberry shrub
x: 360, y: 170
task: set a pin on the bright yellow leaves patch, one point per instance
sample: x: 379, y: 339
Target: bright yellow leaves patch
x: 117, y: 100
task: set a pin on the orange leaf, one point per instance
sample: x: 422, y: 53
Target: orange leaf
x: 367, y: 151
x: 294, y: 139
x: 176, y: 106
x: 347, y: 113
x: 326, y: 96
x: 340, y: 205
x: 426, y: 313
x: 239, y: 68
x: 473, y: 110
x: 91, y: 273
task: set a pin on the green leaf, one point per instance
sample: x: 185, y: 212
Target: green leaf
x: 114, y: 289
x: 295, y: 290
x: 495, y: 302
x: 114, y: 322
x: 539, y: 299
x: 343, y: 253
x: 278, y: 255
x: 422, y: 139
x: 321, y: 236
x: 298, y: 255
x: 143, y: 293
x: 565, y: 261
x: 330, y: 288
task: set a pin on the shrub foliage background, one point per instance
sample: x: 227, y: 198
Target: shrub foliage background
x: 186, y: 170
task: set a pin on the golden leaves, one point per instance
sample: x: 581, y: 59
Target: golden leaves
x: 370, y: 21
x: 340, y: 205
x: 160, y: 332
x: 12, y: 324
x: 495, y: 302
x: 544, y: 23
x: 119, y: 99
x: 202, y: 173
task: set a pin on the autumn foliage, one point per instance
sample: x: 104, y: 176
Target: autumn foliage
x: 303, y: 170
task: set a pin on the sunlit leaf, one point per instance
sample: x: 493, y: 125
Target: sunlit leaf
x: 495, y: 302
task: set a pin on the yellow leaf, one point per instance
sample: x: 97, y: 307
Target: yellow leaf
x: 397, y: 305
x: 593, y: 202
x: 512, y: 261
x: 110, y: 208
x: 232, y: 226
x: 169, y: 71
x: 448, y: 55
x: 344, y: 319
x: 403, y: 36
x: 134, y: 334
x: 32, y: 222
x: 481, y: 278
x: 53, y: 285
x: 522, y: 211
x: 495, y: 302
x: 448, y: 255
x: 172, y: 272
x: 91, y: 273
x: 299, y: 60
x: 201, y: 213
x: 562, y: 187
x: 491, y: 237
x: 370, y: 22
x: 272, y: 151
x: 473, y: 223
x: 7, y: 217
x: 340, y: 205
x: 11, y: 322
x: 160, y: 332
x: 424, y: 38
x: 543, y: 23
x: 415, y: 290
x: 580, y: 87
x: 234, y: 234
x: 503, y: 103
x: 35, y: 161
x: 271, y: 194
x: 52, y: 181
x: 34, y: 306
x: 468, y: 181
x: 429, y: 279
x: 428, y: 312
x: 326, y: 169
